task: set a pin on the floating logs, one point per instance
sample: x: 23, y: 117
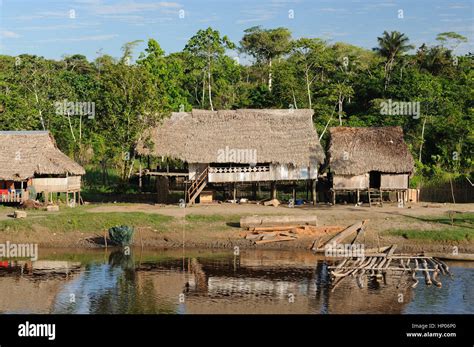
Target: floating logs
x: 376, y: 266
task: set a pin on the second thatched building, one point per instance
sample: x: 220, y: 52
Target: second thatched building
x: 374, y: 160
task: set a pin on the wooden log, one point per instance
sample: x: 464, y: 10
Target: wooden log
x: 413, y: 276
x: 19, y: 214
x: 347, y: 232
x: 449, y: 256
x: 262, y: 221
x: 435, y: 278
x: 276, y: 239
x: 426, y: 273
x: 274, y: 228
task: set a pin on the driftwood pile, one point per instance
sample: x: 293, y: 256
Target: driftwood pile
x: 267, y: 229
x: 280, y: 233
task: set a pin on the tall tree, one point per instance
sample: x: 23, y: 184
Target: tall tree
x: 311, y: 57
x: 207, y: 46
x: 391, y: 46
x: 265, y: 45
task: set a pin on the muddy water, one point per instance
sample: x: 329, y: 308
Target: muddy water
x: 215, y: 282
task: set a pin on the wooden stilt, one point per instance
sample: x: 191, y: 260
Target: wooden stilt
x: 313, y: 192
x: 274, y: 190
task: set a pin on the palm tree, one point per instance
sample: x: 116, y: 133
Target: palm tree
x: 391, y: 46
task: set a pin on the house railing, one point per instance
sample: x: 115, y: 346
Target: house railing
x: 17, y: 195
x: 239, y: 169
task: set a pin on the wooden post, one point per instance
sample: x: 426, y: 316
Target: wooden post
x: 313, y: 191
x: 234, y: 193
x: 358, y: 196
x: 307, y: 190
x: 140, y: 176
x: 333, y: 197
x: 294, y: 193
x: 274, y: 190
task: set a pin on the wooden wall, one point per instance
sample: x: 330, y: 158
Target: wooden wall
x: 351, y: 182
x: 276, y: 173
x: 394, y: 181
x: 57, y: 184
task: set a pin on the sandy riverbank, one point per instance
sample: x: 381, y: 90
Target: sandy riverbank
x: 216, y: 226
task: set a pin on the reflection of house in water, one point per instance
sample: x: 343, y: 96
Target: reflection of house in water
x: 26, y: 295
x: 227, y: 285
x: 33, y: 290
x: 257, y: 282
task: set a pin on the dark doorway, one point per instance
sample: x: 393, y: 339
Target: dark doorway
x: 374, y: 179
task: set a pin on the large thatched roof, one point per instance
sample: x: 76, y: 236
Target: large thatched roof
x: 353, y: 151
x: 278, y: 136
x: 24, y: 154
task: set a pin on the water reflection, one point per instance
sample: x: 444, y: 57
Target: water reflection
x: 256, y: 282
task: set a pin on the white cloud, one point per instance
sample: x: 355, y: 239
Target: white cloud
x: 9, y: 34
x: 132, y: 7
x: 83, y: 38
x: 76, y: 25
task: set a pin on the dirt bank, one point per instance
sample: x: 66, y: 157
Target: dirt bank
x: 216, y: 226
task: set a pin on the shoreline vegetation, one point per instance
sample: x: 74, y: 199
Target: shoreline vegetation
x: 421, y: 227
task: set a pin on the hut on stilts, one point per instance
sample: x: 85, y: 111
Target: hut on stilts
x: 369, y: 160
x: 31, y: 163
x: 229, y: 147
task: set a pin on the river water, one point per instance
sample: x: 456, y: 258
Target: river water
x: 179, y: 282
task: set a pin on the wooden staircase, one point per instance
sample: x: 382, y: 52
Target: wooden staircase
x: 196, y: 187
x: 375, y: 197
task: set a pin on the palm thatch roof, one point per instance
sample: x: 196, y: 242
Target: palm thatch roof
x: 354, y: 151
x: 24, y: 154
x: 277, y: 136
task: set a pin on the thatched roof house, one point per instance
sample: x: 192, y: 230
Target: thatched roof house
x: 278, y: 136
x: 25, y: 154
x: 231, y: 146
x: 363, y: 158
x: 31, y: 159
x: 353, y: 151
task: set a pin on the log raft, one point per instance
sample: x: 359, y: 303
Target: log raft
x: 376, y: 266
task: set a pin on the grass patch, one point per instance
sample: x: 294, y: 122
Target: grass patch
x: 79, y: 219
x: 463, y: 220
x: 201, y: 218
x: 213, y: 222
x: 456, y: 219
x: 457, y: 234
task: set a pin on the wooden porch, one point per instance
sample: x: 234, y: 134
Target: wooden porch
x: 14, y: 196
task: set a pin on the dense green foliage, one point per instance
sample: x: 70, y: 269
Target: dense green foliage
x: 344, y: 84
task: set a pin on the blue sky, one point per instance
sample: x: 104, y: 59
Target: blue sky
x: 45, y: 27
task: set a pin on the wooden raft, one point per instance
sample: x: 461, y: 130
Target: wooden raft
x: 376, y: 266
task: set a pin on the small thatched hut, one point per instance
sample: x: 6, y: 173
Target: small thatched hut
x: 239, y: 146
x: 30, y: 162
x: 369, y: 159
